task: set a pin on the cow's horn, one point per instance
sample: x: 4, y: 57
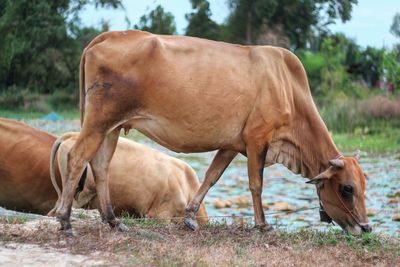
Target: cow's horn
x: 357, y: 155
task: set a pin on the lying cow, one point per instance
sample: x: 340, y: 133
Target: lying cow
x: 143, y: 181
x: 25, y: 183
x: 196, y: 95
x: 24, y: 168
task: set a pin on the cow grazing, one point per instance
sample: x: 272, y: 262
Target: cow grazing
x: 25, y: 183
x: 195, y: 95
x: 143, y: 181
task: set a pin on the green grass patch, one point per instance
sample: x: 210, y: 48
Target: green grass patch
x: 130, y: 220
x: 371, y: 242
x: 13, y: 220
x: 22, y: 114
x: 387, y: 141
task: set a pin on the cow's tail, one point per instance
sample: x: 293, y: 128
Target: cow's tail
x: 202, y: 216
x: 82, y: 94
x: 53, y: 154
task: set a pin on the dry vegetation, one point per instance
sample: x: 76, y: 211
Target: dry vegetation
x: 380, y: 107
x: 157, y: 244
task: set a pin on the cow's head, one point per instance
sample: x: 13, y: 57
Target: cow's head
x: 341, y: 189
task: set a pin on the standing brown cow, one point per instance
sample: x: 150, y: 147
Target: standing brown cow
x: 195, y: 95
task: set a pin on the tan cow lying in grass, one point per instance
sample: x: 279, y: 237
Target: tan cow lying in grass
x: 25, y: 183
x: 143, y: 181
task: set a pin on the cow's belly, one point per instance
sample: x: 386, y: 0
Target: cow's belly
x: 188, y: 137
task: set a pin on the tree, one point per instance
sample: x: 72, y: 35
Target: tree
x: 391, y: 67
x: 246, y: 18
x: 200, y: 22
x: 38, y: 50
x: 298, y: 20
x: 395, y: 28
x: 157, y: 21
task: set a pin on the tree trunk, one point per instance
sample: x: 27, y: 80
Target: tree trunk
x: 248, y: 28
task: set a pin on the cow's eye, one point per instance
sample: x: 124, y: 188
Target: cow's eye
x: 347, y: 191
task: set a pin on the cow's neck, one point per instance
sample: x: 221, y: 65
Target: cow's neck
x: 306, y: 147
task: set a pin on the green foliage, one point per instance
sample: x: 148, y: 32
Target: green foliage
x: 200, y: 22
x: 391, y: 67
x: 340, y: 69
x: 371, y: 65
x: 313, y: 64
x: 63, y: 100
x: 39, y: 30
x: 11, y: 99
x: 157, y: 21
x: 41, y: 43
x: 326, y: 69
x: 395, y: 28
x: 333, y: 74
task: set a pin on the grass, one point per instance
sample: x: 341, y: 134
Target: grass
x: 217, y: 244
x: 387, y: 141
x: 14, y: 220
x: 21, y: 114
x: 370, y: 242
x: 130, y: 220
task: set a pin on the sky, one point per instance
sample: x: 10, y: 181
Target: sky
x: 369, y: 26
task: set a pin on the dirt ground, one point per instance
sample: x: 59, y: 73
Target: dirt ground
x: 147, y: 243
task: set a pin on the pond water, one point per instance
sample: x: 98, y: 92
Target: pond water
x: 231, y: 196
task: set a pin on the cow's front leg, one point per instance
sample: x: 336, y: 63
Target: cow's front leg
x: 214, y: 172
x: 100, y: 165
x: 255, y: 167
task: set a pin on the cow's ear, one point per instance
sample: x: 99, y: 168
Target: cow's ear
x: 322, y: 177
x: 319, y: 179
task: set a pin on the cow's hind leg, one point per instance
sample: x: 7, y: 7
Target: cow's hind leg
x: 100, y: 164
x: 214, y: 172
x: 81, y: 153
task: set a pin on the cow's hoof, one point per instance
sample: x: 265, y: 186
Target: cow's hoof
x: 264, y: 228
x: 121, y: 228
x: 191, y: 223
x: 64, y: 225
x: 68, y: 233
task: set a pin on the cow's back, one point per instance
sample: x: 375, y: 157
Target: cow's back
x: 24, y: 168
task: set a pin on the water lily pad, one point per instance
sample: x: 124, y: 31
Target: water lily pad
x: 220, y: 204
x: 283, y: 206
x: 371, y: 212
x: 394, y: 195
